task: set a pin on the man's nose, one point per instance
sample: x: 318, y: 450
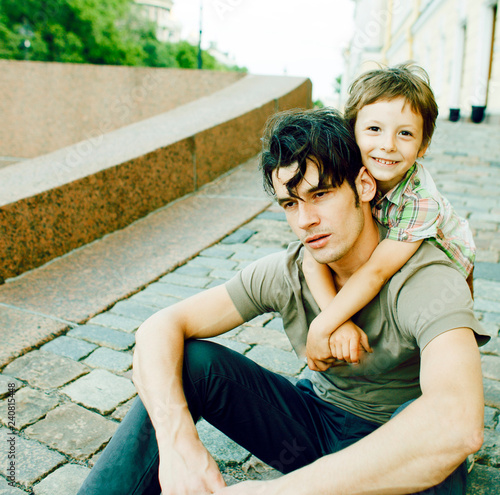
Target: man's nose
x: 307, y: 216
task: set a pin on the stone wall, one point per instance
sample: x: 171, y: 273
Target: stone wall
x: 47, y: 106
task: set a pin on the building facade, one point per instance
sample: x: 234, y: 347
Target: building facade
x: 160, y: 12
x: 456, y: 41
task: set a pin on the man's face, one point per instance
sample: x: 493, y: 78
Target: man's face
x: 325, y: 219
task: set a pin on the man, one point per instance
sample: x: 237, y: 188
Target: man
x: 344, y: 430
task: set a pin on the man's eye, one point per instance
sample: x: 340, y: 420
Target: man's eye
x: 288, y: 205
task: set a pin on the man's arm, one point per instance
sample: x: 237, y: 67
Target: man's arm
x: 185, y: 465
x: 416, y: 449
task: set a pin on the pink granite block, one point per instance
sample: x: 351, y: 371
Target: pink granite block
x: 40, y: 228
x: 301, y: 97
x: 223, y: 147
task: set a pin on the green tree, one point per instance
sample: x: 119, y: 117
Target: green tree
x: 92, y: 31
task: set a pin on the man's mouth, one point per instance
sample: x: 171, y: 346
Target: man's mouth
x: 317, y: 241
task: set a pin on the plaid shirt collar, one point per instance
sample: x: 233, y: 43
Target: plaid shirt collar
x: 396, y: 193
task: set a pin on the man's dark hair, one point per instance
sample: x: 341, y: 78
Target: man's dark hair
x: 319, y: 135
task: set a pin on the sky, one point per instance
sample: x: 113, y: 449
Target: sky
x: 275, y: 37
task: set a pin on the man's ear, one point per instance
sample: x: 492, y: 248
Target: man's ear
x: 366, y: 185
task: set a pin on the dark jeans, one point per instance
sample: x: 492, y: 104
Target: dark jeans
x: 285, y: 425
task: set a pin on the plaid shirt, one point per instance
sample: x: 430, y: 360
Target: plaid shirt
x: 414, y: 210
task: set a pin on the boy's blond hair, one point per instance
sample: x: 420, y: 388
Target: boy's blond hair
x: 407, y: 80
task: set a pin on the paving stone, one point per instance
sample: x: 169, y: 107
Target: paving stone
x: 491, y: 417
x: 186, y: 280
x: 45, y: 370
x: 32, y: 460
x: 5, y: 382
x: 492, y: 347
x: 100, y: 390
x: 66, y: 346
x: 158, y: 301
x: 489, y: 453
x: 30, y: 404
x: 73, y: 430
x: 239, y: 236
x: 120, y: 412
x: 192, y: 271
x: 491, y: 367
x: 260, y: 320
x: 110, y: 360
x: 276, y: 360
x: 255, y: 469
x: 222, y: 448
x: 491, y: 317
x: 118, y: 322
x: 109, y: 337
x: 133, y: 310
x: 6, y: 489
x: 214, y: 263
x: 64, y: 481
x: 231, y: 344
x: 178, y: 291
x: 486, y: 305
x: 216, y: 283
x: 223, y: 274
x: 491, y: 393
x: 276, y: 324
x: 483, y: 480
x: 272, y: 215
x: 217, y: 252
x: 265, y: 336
x: 487, y: 271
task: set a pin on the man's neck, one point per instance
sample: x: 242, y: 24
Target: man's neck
x: 358, y: 255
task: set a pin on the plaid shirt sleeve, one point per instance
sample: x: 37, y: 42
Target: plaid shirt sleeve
x: 417, y: 219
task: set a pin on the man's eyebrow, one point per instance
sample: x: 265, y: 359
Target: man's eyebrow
x: 311, y: 190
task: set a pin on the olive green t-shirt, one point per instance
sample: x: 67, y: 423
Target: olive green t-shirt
x: 426, y: 298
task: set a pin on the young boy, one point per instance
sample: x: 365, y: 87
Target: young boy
x: 393, y: 114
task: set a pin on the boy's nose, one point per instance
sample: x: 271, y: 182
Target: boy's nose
x: 388, y: 144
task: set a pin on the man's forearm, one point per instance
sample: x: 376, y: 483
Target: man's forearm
x: 158, y: 359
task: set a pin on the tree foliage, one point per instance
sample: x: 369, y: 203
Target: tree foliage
x: 109, y: 32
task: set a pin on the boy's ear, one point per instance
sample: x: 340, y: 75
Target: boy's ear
x: 366, y: 185
x: 423, y: 149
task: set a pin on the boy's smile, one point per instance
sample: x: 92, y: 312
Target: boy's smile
x: 389, y: 135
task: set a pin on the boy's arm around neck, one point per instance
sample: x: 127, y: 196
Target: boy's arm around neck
x: 364, y: 284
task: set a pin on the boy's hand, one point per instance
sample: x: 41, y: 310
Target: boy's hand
x: 325, y: 346
x: 348, y: 341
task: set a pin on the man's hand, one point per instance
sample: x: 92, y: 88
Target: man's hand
x: 189, y: 470
x: 318, y: 353
x: 348, y: 342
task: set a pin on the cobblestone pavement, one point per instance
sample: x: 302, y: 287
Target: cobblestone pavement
x: 72, y: 392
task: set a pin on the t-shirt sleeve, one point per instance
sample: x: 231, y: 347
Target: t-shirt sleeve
x: 426, y: 310
x: 260, y: 287
x: 417, y: 220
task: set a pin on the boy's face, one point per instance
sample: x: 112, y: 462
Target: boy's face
x: 389, y: 135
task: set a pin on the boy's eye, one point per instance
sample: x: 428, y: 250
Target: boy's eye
x: 373, y: 128
x: 406, y: 133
